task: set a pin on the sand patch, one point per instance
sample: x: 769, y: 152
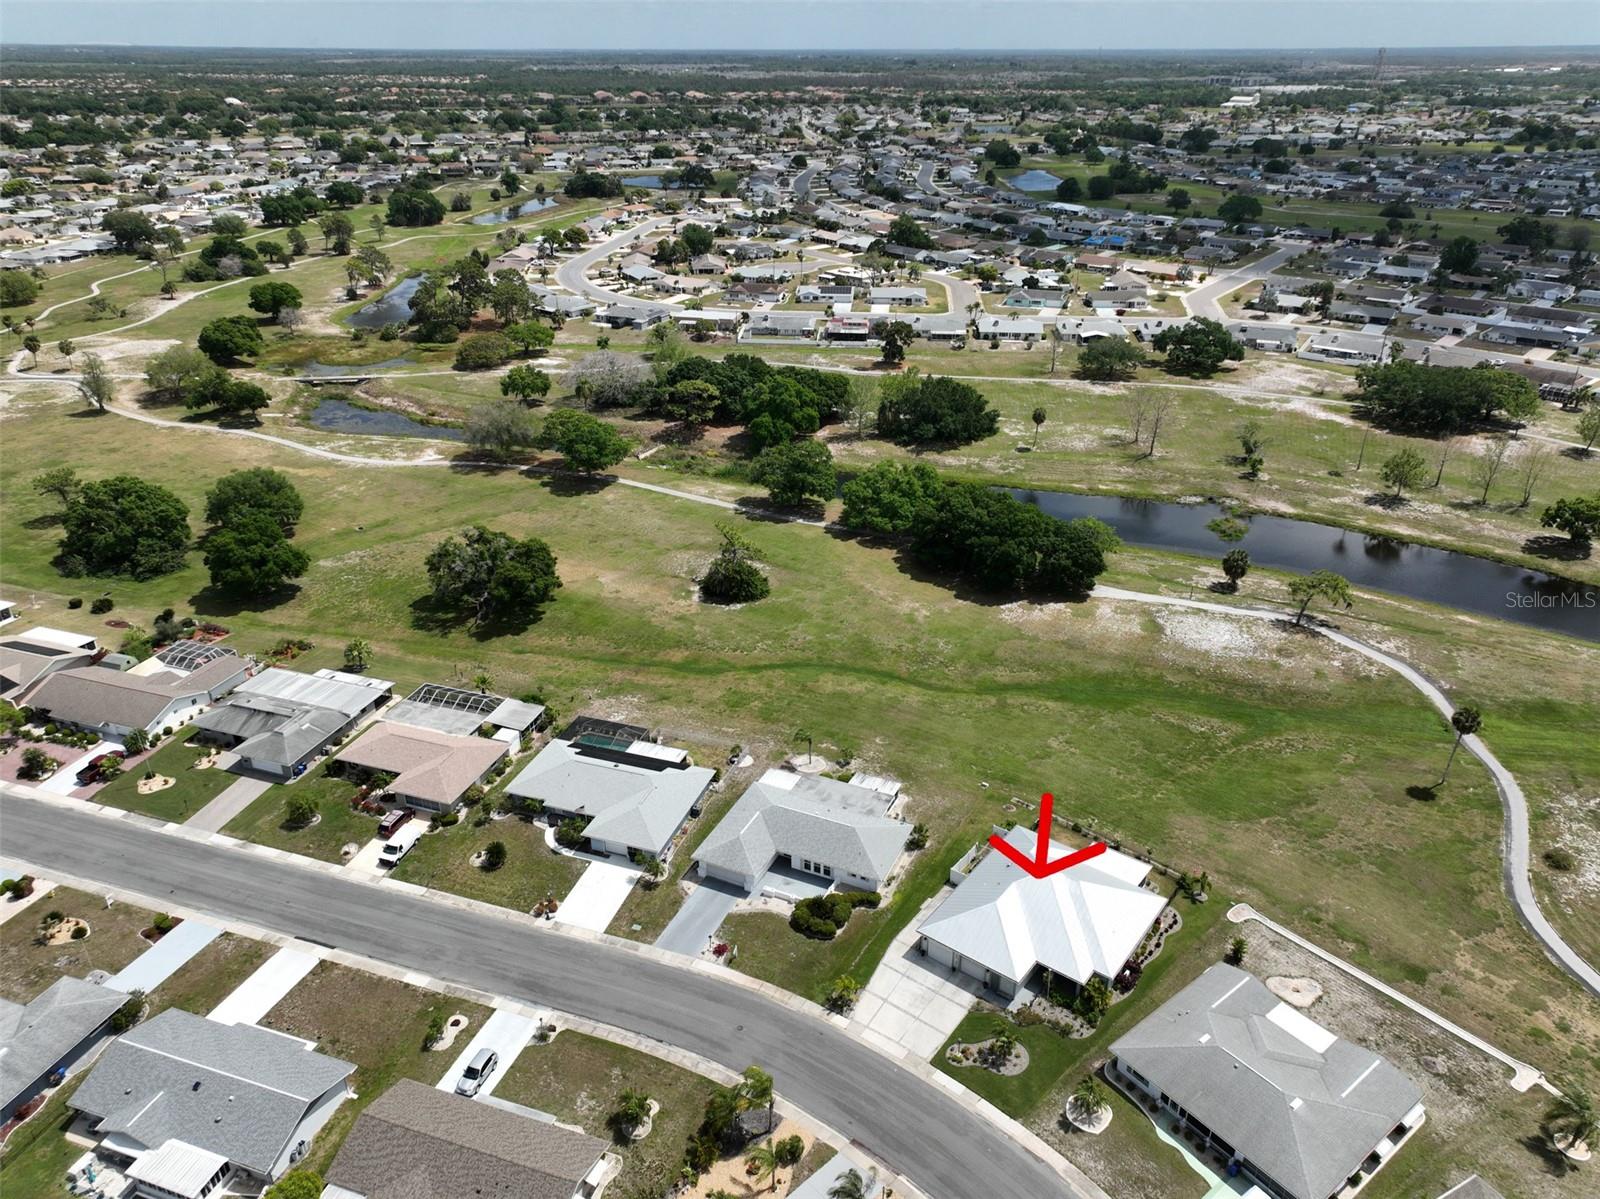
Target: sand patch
x: 150, y: 786
x: 1296, y: 992
x: 1218, y: 636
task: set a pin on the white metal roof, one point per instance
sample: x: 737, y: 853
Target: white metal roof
x: 1079, y: 922
x: 177, y: 1167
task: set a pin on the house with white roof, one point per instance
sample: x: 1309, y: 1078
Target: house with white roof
x: 1003, y: 926
x: 841, y: 833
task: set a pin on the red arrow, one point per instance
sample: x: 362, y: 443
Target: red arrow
x: 1040, y: 865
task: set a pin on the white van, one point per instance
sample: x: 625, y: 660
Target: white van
x: 397, y: 846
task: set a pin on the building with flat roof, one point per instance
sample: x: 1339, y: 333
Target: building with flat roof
x: 278, y: 720
x: 1300, y: 1111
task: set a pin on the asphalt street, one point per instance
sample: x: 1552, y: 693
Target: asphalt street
x: 915, y: 1128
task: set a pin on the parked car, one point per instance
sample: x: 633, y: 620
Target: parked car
x: 391, y: 822
x: 92, y: 772
x: 397, y: 846
x: 482, y: 1065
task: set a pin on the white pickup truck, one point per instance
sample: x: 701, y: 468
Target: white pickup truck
x: 397, y: 846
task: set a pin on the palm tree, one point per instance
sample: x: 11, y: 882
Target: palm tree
x: 633, y: 1109
x: 756, y: 1091
x: 851, y: 1185
x: 1573, y: 1118
x: 1090, y: 1097
x: 761, y: 1163
x: 1465, y: 721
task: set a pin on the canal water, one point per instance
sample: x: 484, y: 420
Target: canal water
x: 341, y: 416
x: 394, y: 307
x: 1481, y: 585
x: 1034, y: 181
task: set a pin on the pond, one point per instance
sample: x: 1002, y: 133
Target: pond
x: 326, y: 370
x: 341, y: 416
x: 394, y: 307
x: 1035, y: 181
x: 510, y: 212
x: 642, y: 181
x: 1514, y: 593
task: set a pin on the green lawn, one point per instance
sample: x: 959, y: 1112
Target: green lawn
x: 579, y: 1079
x: 1271, y: 760
x: 112, y: 943
x: 191, y: 791
x: 340, y: 824
x: 443, y: 859
x: 1049, y: 1055
x: 206, y: 979
x: 377, y: 1023
x: 37, y: 1156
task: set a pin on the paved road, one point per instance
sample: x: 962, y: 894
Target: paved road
x: 917, y: 1129
x: 573, y: 273
x: 1206, y: 300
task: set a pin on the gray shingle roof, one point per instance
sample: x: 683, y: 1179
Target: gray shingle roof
x: 416, y: 1142
x: 632, y: 805
x: 805, y: 816
x: 96, y: 695
x: 233, y: 1089
x: 35, y: 1036
x: 1300, y: 1104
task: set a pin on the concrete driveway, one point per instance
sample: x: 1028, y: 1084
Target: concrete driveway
x: 504, y: 1032
x: 597, y: 895
x: 65, y: 780
x: 910, y: 1007
x: 701, y: 915
x: 257, y: 995
x: 235, y: 798
x: 365, y: 860
x: 165, y: 958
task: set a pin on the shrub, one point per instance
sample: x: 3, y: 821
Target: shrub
x: 494, y: 855
x: 435, y: 1032
x: 75, y: 602
x: 733, y: 581
x: 820, y: 917
x: 917, y: 838
x: 1558, y: 858
x: 570, y: 832
x: 1236, y: 951
x: 136, y: 742
x: 789, y: 1150
x: 126, y: 1016
x: 102, y: 604
x: 842, y: 995
x: 299, y: 812
x: 80, y: 932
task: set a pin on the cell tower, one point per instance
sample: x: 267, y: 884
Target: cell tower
x: 1383, y: 61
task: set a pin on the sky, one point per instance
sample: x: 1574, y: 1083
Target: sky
x: 777, y: 25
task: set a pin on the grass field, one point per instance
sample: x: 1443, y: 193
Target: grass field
x: 378, y: 1024
x: 36, y: 1156
x: 1274, y: 761
x: 339, y: 823
x: 443, y: 859
x: 191, y: 791
x: 112, y: 943
x: 206, y: 979
x: 580, y: 1079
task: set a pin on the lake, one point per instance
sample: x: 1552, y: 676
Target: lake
x: 394, y: 307
x: 1035, y: 181
x: 642, y: 181
x: 341, y: 416
x: 510, y: 212
x: 1514, y: 593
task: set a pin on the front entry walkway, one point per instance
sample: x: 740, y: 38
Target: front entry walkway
x: 911, y: 1006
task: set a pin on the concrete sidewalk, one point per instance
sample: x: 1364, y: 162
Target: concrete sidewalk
x: 235, y: 798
